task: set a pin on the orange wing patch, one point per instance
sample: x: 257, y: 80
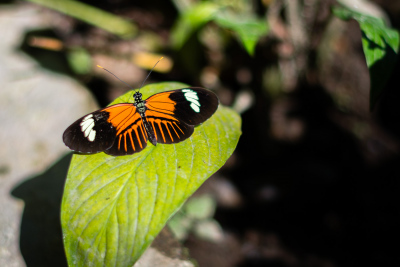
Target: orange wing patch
x: 161, y: 103
x: 122, y: 115
x: 131, y: 136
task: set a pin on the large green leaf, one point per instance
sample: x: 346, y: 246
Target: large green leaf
x: 113, y: 207
x: 249, y: 29
x: 380, y: 45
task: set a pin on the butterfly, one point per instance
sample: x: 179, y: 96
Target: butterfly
x: 123, y: 129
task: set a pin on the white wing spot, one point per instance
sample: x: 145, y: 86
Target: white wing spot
x: 193, y: 98
x: 87, y: 125
x: 92, y: 136
x: 192, y: 95
x: 195, y: 108
x: 89, y: 129
x: 194, y: 101
x: 86, y: 118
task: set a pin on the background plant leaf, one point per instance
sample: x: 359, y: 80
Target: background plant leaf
x: 248, y: 28
x: 381, y: 47
x: 201, y: 207
x: 191, y: 20
x: 113, y: 207
x: 79, y: 60
x: 92, y: 15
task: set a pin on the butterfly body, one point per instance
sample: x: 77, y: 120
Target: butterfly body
x: 123, y: 129
x: 141, y: 109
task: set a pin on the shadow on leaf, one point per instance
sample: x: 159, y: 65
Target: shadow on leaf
x: 41, y: 241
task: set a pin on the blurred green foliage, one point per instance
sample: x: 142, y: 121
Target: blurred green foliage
x: 92, y: 15
x: 246, y: 26
x: 196, y: 217
x: 381, y: 47
x: 79, y: 60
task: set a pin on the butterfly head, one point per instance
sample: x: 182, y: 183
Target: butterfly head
x: 138, y: 97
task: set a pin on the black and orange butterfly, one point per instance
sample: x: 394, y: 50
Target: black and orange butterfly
x: 123, y: 129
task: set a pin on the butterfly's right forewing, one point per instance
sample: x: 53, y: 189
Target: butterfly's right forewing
x: 116, y: 130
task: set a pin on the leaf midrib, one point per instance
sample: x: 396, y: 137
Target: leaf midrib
x: 113, y: 202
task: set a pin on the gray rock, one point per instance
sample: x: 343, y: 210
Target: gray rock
x: 36, y: 106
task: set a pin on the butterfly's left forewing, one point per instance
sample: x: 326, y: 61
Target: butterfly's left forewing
x: 192, y: 105
x: 173, y: 114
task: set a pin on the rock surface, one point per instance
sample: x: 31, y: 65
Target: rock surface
x: 36, y: 107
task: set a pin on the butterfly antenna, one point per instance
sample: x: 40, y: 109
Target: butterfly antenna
x: 115, y: 76
x: 149, y: 73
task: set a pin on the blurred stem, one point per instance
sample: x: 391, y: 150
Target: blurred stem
x: 92, y: 15
x: 296, y: 25
x: 294, y: 33
x: 183, y: 5
x: 298, y: 35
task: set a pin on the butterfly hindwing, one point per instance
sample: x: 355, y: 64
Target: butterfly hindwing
x: 129, y: 140
x: 167, y: 129
x: 130, y: 136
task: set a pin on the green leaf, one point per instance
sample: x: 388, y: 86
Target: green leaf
x: 180, y: 225
x: 92, y: 15
x: 381, y: 47
x: 249, y: 29
x: 208, y: 229
x: 79, y: 60
x: 191, y: 20
x: 201, y: 207
x: 113, y: 207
